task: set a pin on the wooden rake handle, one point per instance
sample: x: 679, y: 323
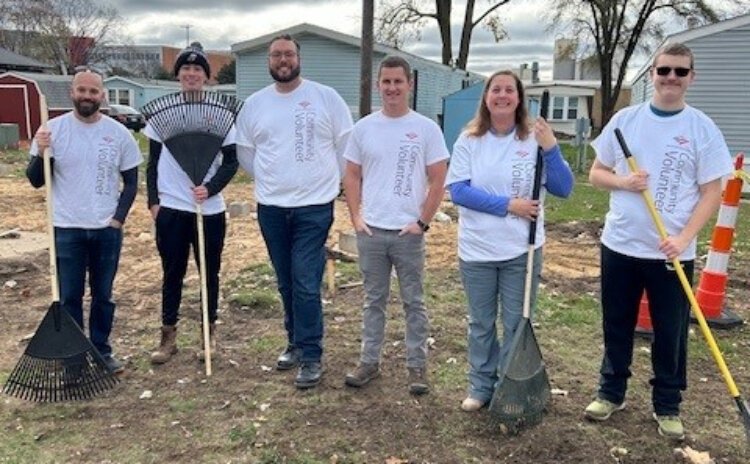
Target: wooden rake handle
x: 47, y: 161
x: 204, y: 288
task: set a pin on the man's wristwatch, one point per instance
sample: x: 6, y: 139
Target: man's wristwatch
x: 423, y: 225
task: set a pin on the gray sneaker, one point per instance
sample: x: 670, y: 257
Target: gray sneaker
x: 418, y: 381
x: 114, y: 365
x: 362, y: 375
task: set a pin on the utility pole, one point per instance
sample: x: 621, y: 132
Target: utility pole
x: 187, y: 33
x: 365, y: 80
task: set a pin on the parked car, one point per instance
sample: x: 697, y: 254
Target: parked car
x: 127, y: 115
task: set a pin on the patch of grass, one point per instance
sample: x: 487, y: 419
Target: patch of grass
x: 243, y: 435
x: 260, y: 302
x: 449, y: 375
x: 579, y: 310
x: 347, y: 272
x: 265, y: 344
x: 16, y: 160
x: 586, y: 203
x: 182, y: 405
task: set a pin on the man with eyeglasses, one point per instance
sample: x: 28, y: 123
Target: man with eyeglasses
x: 291, y: 136
x: 92, y: 154
x: 682, y: 158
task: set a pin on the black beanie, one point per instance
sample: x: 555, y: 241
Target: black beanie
x: 193, y: 54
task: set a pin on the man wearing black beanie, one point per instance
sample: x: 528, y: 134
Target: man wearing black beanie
x: 171, y: 201
x: 193, y: 54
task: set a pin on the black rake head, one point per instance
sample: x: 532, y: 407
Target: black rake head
x: 193, y: 126
x: 59, y: 363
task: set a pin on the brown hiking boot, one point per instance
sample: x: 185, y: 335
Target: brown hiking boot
x: 167, y: 346
x: 362, y: 375
x: 418, y: 381
x: 212, y: 343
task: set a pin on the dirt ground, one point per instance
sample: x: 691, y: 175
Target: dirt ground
x: 248, y: 412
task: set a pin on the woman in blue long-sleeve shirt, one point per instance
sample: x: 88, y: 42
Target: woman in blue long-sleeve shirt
x: 490, y: 178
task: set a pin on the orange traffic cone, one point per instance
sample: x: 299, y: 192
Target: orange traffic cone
x: 643, y: 327
x: 713, y: 282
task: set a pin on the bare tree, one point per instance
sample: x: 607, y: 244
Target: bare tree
x: 63, y: 32
x: 403, y: 20
x: 618, y: 28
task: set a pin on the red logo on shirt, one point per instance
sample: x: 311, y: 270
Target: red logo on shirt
x: 304, y: 104
x: 681, y: 140
x: 522, y: 153
x: 411, y: 135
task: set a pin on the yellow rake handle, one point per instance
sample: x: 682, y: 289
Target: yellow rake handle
x: 683, y: 278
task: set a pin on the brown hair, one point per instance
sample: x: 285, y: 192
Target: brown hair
x: 285, y: 37
x: 482, y: 122
x: 674, y: 49
x: 395, y: 62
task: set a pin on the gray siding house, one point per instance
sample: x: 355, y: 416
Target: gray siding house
x: 722, y: 77
x: 333, y: 59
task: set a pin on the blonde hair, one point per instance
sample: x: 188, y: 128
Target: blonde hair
x: 482, y: 121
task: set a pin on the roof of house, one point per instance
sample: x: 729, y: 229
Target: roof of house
x: 55, y: 87
x: 697, y: 33
x: 144, y: 82
x: 12, y: 60
x: 262, y: 41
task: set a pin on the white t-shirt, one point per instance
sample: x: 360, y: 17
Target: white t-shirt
x: 174, y: 185
x: 501, y: 165
x: 394, y: 154
x: 679, y: 153
x: 293, y: 143
x: 86, y: 175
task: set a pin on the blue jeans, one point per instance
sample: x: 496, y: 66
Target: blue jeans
x: 624, y: 279
x: 378, y: 255
x: 295, y: 239
x: 98, y: 252
x: 494, y: 288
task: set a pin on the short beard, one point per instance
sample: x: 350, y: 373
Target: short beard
x: 86, y: 108
x: 284, y: 79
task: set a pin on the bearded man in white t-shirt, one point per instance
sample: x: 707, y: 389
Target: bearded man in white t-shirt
x: 290, y: 137
x: 91, y: 154
x: 682, y: 157
x: 395, y: 169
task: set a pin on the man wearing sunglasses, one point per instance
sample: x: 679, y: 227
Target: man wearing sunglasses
x: 682, y: 157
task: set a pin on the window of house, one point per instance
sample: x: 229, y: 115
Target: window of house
x: 564, y: 108
x: 558, y: 108
x: 119, y: 96
x: 572, y: 108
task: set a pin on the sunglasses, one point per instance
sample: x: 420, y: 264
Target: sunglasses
x: 679, y: 72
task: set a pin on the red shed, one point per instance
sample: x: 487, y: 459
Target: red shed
x: 19, y: 99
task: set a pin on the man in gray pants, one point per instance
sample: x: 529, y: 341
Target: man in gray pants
x: 396, y: 166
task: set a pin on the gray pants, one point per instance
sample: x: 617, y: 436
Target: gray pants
x: 379, y: 254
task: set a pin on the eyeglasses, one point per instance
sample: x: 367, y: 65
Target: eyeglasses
x: 278, y: 55
x: 679, y: 72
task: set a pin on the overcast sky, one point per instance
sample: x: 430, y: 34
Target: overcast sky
x: 220, y: 23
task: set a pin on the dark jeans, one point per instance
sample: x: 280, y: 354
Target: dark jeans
x: 176, y: 231
x: 295, y: 238
x: 623, y: 280
x: 98, y: 252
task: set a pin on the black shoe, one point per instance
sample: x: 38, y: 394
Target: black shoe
x: 309, y: 375
x: 289, y: 359
x: 113, y: 364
